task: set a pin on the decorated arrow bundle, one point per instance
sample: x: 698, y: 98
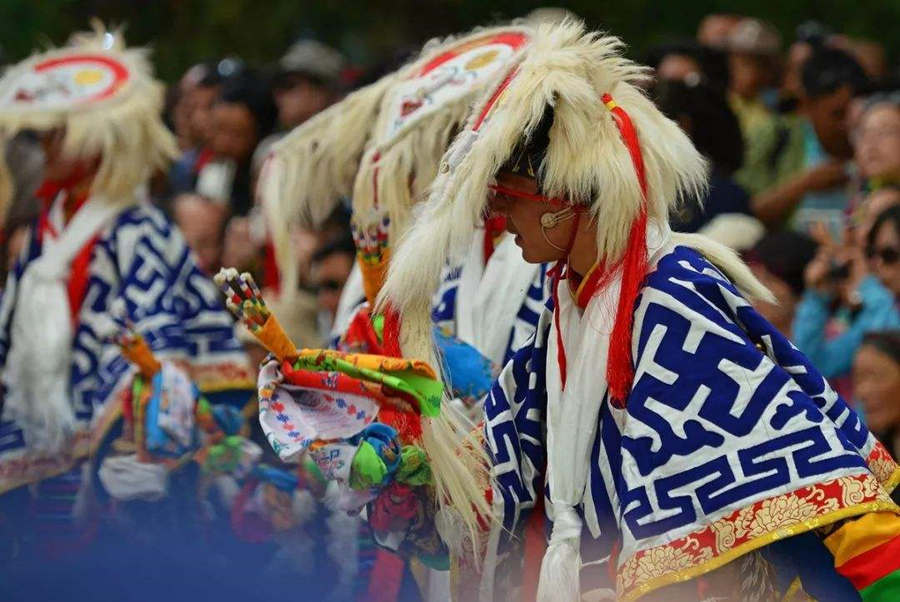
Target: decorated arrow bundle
x: 314, y: 397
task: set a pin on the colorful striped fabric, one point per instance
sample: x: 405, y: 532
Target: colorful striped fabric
x: 867, y: 552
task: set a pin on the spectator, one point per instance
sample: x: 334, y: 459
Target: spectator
x: 778, y: 260
x: 876, y: 380
x: 847, y: 296
x: 705, y: 116
x: 329, y: 270
x: 883, y: 249
x: 753, y: 47
x: 872, y: 206
x: 308, y: 80
x: 807, y: 155
x: 197, y: 91
x: 877, y: 140
x: 242, y: 115
x: 691, y: 63
x: 714, y: 29
x: 811, y: 35
x: 202, y: 222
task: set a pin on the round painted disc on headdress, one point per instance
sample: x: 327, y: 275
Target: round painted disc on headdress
x: 104, y: 98
x: 63, y: 83
x: 446, y: 78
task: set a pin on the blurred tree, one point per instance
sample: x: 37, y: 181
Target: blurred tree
x: 183, y: 32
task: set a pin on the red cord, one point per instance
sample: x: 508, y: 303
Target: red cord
x: 620, y: 368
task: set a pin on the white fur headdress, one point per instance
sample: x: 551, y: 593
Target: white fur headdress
x: 589, y: 160
x: 382, y: 144
x: 570, y: 70
x: 104, y: 97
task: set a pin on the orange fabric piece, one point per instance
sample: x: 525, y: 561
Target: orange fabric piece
x: 373, y: 274
x: 869, y: 567
x: 273, y: 338
x: 861, y: 535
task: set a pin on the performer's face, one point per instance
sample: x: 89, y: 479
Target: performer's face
x: 59, y: 166
x: 523, y: 220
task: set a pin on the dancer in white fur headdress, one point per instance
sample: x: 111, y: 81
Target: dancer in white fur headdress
x: 665, y: 426
x: 382, y: 145
x: 98, y: 241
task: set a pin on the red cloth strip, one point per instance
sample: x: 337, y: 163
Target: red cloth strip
x: 493, y: 227
x: 535, y: 545
x: 521, y: 194
x: 620, y: 369
x: 870, y: 566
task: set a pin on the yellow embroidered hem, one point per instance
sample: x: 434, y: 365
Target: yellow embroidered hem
x: 748, y: 529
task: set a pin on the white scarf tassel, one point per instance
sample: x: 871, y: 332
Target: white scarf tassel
x: 561, y: 565
x: 38, y: 364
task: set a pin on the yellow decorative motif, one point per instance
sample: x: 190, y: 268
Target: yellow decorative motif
x: 88, y: 77
x: 482, y: 60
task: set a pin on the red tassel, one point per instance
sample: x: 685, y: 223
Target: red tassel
x: 493, y: 227
x: 620, y: 368
x: 391, y: 332
x: 555, y: 275
x: 407, y: 424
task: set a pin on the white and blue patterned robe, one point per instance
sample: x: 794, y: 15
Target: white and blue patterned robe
x: 727, y: 425
x: 141, y: 258
x: 520, y: 325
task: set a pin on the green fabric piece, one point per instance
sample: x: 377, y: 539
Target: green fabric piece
x: 773, y: 152
x: 367, y: 469
x: 137, y: 387
x: 224, y: 457
x: 313, y: 471
x: 438, y: 563
x: 378, y: 326
x: 886, y: 589
x: 414, y: 468
x: 426, y: 391
x: 203, y: 407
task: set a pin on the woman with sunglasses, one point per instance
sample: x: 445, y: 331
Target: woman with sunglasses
x: 849, y: 292
x: 883, y: 249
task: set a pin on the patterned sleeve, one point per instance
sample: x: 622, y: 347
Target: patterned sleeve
x: 514, y: 415
x: 174, y: 303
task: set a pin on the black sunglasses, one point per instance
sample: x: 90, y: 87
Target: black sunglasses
x: 889, y: 255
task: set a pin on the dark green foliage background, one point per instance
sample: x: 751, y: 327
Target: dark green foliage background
x: 183, y: 32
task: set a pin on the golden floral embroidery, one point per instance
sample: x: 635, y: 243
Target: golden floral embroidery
x: 882, y: 464
x: 744, y: 529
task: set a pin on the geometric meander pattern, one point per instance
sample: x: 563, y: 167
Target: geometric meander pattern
x: 444, y: 308
x: 142, y: 258
x: 724, y: 412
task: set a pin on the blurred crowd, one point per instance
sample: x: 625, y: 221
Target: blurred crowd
x: 802, y: 136
x: 803, y: 139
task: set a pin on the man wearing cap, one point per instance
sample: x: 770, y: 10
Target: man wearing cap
x: 308, y: 80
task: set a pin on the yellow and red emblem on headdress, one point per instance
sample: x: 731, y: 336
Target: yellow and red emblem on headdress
x: 105, y: 100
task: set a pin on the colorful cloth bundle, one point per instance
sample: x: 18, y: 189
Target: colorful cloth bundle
x: 866, y: 552
x: 324, y: 397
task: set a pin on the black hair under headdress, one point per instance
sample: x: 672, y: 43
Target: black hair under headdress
x: 528, y: 155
